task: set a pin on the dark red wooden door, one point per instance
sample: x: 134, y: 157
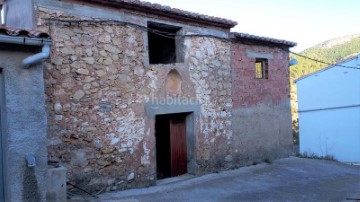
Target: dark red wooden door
x: 178, y: 146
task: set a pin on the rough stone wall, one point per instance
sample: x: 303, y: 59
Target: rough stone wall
x: 97, y: 84
x: 261, y: 107
x: 209, y: 63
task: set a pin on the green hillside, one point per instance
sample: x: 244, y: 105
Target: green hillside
x: 331, y: 51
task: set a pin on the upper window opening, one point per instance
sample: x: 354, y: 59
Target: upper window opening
x: 164, y: 46
x: 261, y: 68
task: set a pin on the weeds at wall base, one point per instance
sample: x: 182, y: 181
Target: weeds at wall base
x: 314, y: 156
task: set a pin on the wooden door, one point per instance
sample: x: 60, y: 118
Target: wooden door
x: 178, y: 145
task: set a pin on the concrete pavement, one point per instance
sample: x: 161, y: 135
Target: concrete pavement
x: 290, y: 179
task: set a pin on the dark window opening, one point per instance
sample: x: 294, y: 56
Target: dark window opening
x: 164, y: 46
x: 261, y: 68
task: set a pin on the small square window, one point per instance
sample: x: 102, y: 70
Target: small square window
x: 164, y: 46
x: 261, y: 68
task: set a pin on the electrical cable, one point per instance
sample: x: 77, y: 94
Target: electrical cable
x: 172, y: 36
x: 144, y: 28
x: 319, y: 61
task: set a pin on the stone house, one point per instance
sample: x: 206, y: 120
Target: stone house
x: 137, y: 92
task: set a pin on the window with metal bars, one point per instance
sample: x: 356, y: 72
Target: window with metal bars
x: 261, y: 68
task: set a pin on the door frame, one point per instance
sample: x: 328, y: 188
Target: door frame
x: 2, y: 162
x: 156, y: 107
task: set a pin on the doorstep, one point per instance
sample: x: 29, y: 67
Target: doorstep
x: 176, y: 179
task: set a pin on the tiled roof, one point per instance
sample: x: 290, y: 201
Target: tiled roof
x: 23, y: 32
x: 239, y: 35
x: 157, y: 9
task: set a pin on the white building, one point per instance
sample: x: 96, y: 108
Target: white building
x: 329, y: 111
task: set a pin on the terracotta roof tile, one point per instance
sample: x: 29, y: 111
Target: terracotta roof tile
x: 157, y: 9
x: 10, y: 31
x: 239, y: 35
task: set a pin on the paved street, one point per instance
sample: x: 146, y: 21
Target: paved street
x: 291, y: 179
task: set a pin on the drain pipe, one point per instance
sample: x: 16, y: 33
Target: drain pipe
x: 37, y: 57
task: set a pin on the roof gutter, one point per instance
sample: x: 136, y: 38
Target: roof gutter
x: 24, y: 40
x: 45, y: 43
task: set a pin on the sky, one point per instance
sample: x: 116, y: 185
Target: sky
x: 306, y: 22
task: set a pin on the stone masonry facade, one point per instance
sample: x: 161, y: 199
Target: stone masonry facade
x: 98, y: 83
x: 96, y: 89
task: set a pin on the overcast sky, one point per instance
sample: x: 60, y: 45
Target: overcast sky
x: 307, y: 22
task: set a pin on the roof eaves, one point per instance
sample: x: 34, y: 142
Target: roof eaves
x: 25, y: 37
x: 167, y: 11
x: 239, y: 35
x: 11, y: 31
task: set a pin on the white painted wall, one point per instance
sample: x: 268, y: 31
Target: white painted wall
x: 331, y: 132
x: 329, y: 112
